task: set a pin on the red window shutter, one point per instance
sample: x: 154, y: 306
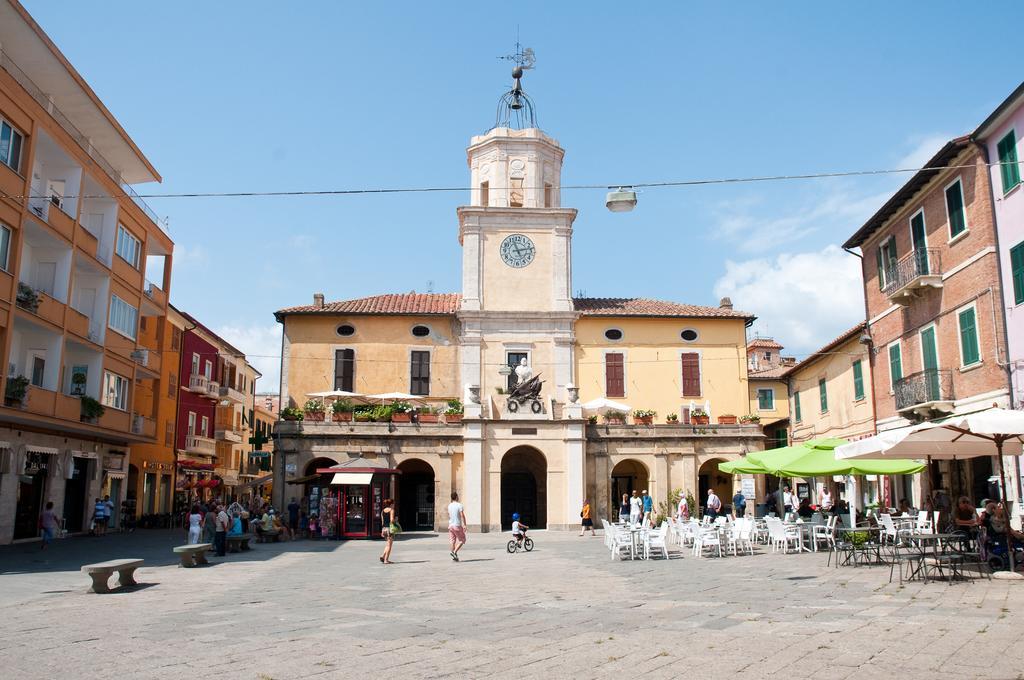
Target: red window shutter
x: 615, y: 383
x: 691, y: 374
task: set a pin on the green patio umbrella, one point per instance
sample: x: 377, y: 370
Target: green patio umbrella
x: 769, y: 462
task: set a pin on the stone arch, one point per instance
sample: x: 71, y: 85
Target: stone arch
x: 321, y: 462
x: 415, y: 498
x: 524, y: 487
x: 710, y: 477
x: 628, y: 475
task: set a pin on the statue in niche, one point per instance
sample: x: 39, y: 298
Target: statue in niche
x: 526, y: 390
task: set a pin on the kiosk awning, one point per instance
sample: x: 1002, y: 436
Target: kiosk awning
x: 357, y: 478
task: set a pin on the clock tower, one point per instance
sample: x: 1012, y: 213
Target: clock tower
x: 516, y: 254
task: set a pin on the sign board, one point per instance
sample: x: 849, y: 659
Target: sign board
x: 291, y: 467
x: 747, y: 487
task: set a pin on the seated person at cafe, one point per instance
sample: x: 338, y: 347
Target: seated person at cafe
x: 236, y: 525
x: 996, y: 526
x: 804, y: 509
x: 965, y: 519
x: 905, y: 508
x: 282, y: 527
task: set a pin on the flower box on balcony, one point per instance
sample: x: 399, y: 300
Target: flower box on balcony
x: 699, y: 417
x: 342, y: 416
x: 362, y: 417
x: 453, y: 418
x: 314, y: 417
x: 425, y: 417
x: 401, y: 417
x: 644, y: 417
x: 727, y: 420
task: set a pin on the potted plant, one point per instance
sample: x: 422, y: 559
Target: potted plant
x: 401, y: 412
x: 592, y: 420
x: 17, y: 390
x: 27, y: 298
x: 291, y: 413
x: 427, y: 415
x: 78, y: 381
x: 381, y: 414
x: 314, y: 411
x: 453, y: 414
x: 644, y: 416
x: 727, y: 419
x: 92, y: 410
x: 672, y: 419
x: 341, y: 411
x: 750, y: 419
x: 699, y: 416
x: 615, y: 417
x: 362, y: 414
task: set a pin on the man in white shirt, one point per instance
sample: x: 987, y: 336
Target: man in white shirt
x: 456, y: 526
x: 787, y: 500
x: 636, y: 508
x: 826, y: 500
x: 714, y: 505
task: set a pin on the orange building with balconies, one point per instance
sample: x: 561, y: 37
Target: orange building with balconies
x: 84, y: 273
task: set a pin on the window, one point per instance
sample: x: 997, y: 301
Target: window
x: 895, y: 365
x: 175, y: 338
x: 515, y: 196
x: 614, y: 375
x: 115, y: 391
x: 195, y: 363
x: 169, y: 433
x: 547, y: 196
x: 1009, y: 171
x: 208, y: 369
x: 344, y: 369
x: 10, y: 145
x: 512, y: 360
x: 1017, y: 268
x: 419, y: 372
x: 5, y: 246
x: 128, y: 247
x: 823, y: 395
x: 485, y: 193
x: 205, y: 432
x: 191, y: 422
x: 887, y: 259
x: 123, y: 317
x: 613, y: 334
x: 955, y: 209
x: 858, y: 380
x: 172, y: 383
x: 38, y: 370
x: 345, y: 330
x: 766, y: 399
x: 796, y: 406
x: 691, y: 374
x: 688, y: 335
x: 142, y: 323
x: 420, y: 331
x: 767, y: 356
x: 969, y: 352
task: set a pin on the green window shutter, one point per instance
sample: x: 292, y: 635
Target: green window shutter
x: 895, y: 364
x: 969, y: 337
x: 881, y: 269
x: 823, y: 394
x: 955, y: 208
x: 1009, y: 171
x: 765, y: 400
x: 858, y: 381
x: 796, y: 405
x: 1017, y: 267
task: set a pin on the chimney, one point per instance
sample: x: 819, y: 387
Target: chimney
x: 318, y: 300
x: 725, y: 303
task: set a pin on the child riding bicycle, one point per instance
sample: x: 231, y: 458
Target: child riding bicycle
x: 518, y: 528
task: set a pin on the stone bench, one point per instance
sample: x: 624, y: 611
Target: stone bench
x: 268, y: 536
x: 193, y: 554
x: 101, y: 572
x: 238, y: 542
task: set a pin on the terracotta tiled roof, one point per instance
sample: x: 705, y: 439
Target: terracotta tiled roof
x: 764, y: 342
x: 647, y: 307
x: 448, y: 303
x: 856, y: 330
x: 392, y: 303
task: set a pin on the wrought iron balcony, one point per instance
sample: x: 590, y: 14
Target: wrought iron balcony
x: 920, y: 269
x: 925, y: 392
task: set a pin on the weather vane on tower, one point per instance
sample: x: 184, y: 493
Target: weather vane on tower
x: 515, y: 109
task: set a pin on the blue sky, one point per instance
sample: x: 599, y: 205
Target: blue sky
x: 262, y: 96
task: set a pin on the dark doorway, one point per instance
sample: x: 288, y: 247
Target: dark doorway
x: 30, y: 499
x: 416, y: 496
x: 627, y: 476
x: 74, y: 495
x: 981, y: 473
x: 710, y: 477
x: 524, y: 473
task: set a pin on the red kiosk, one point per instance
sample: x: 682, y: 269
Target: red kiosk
x: 354, y: 498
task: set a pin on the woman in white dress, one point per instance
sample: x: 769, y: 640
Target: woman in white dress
x: 195, y: 525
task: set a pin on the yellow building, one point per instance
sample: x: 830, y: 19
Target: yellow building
x: 524, y: 357
x: 769, y: 391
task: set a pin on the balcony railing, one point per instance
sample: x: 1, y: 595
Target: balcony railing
x: 231, y: 393
x: 930, y: 389
x: 199, y: 384
x: 44, y: 101
x: 228, y: 434
x: 921, y: 268
x: 143, y: 425
x: 203, y: 446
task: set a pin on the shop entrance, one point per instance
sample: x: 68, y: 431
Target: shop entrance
x: 710, y: 477
x: 31, y: 486
x: 416, y: 496
x: 627, y: 476
x: 524, y: 479
x: 75, y: 490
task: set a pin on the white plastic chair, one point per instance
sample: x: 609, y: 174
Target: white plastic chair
x: 707, y: 537
x: 824, y: 532
x: 889, y: 532
x: 781, y: 537
x: 622, y: 541
x: 657, y: 540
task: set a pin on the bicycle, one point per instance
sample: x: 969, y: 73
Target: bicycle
x: 515, y: 546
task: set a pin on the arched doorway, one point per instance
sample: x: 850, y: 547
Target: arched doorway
x: 416, y: 495
x: 524, y: 487
x: 316, y: 499
x: 627, y: 476
x: 710, y: 477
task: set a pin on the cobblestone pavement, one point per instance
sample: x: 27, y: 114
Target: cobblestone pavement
x: 331, y: 610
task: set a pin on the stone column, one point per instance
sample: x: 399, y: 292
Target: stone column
x: 603, y: 478
x: 474, y: 474
x: 575, y: 474
x: 660, y: 479
x: 471, y: 265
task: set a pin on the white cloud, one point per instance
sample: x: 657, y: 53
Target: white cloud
x: 803, y: 300
x: 262, y: 347
x: 185, y: 256
x: 925, y: 146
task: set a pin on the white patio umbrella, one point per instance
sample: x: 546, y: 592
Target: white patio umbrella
x: 603, y: 404
x: 959, y: 436
x: 394, y: 396
x: 336, y: 394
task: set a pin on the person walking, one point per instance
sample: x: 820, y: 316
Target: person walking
x: 209, y: 523
x: 48, y: 522
x: 389, y: 528
x: 739, y: 504
x: 683, y: 509
x: 195, y: 525
x: 456, y: 526
x: 789, y: 503
x: 109, y: 514
x: 636, y: 506
x: 220, y: 536
x: 624, y: 509
x: 648, y: 505
x: 713, y: 505
x: 293, y: 516
x: 587, y: 522
x: 99, y: 517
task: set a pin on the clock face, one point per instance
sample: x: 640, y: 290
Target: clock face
x: 517, y: 250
